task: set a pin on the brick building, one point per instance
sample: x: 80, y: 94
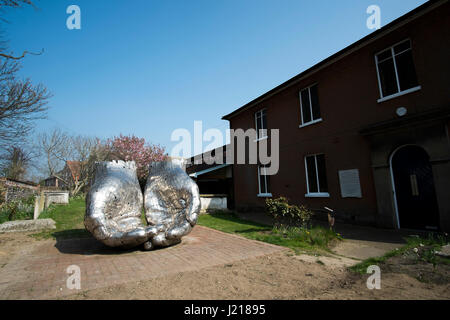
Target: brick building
x: 67, y: 177
x: 366, y: 131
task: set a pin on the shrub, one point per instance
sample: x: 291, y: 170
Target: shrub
x: 17, y: 210
x: 281, y: 211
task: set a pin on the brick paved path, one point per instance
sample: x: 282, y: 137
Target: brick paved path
x: 40, y: 271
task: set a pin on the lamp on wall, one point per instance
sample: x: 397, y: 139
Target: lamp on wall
x: 402, y: 111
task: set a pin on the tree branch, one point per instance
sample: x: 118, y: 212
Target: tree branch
x: 8, y: 56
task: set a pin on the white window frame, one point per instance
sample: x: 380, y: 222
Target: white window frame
x: 399, y: 91
x: 313, y: 121
x: 264, y: 130
x: 314, y: 194
x: 260, y: 194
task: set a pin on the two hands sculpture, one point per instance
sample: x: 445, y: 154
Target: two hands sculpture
x: 115, y: 202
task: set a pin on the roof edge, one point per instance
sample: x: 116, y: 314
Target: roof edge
x: 409, y: 16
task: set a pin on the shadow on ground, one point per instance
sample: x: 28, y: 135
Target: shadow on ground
x: 80, y: 241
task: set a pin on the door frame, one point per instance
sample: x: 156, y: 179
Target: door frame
x: 397, y: 216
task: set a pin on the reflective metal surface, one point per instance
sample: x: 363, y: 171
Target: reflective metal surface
x: 114, y: 205
x: 171, y: 202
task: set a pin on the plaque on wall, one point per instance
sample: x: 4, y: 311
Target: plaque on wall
x: 350, y: 185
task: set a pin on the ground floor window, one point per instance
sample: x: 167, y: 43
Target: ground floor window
x: 264, y: 182
x: 316, y: 176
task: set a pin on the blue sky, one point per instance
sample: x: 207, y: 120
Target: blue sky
x: 148, y: 67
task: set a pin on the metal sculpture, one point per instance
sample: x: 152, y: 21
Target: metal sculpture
x: 114, y: 205
x: 171, y: 202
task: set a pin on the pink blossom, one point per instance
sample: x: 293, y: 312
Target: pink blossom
x: 132, y: 148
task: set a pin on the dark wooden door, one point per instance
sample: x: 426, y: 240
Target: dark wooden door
x: 414, y: 188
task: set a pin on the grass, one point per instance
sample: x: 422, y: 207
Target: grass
x: 68, y: 219
x: 69, y: 224
x: 315, y: 240
x: 17, y: 210
x: 424, y: 249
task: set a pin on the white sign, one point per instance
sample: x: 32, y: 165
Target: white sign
x: 350, y: 185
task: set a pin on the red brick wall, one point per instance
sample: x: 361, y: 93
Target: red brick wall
x: 348, y: 94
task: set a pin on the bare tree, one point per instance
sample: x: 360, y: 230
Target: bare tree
x: 14, y: 3
x: 56, y: 149
x: 84, y: 148
x: 16, y: 162
x: 21, y: 102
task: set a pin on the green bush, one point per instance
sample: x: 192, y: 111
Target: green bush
x: 282, y: 212
x: 17, y: 210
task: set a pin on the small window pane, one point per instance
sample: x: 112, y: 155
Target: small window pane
x: 264, y: 122
x: 384, y: 55
x: 259, y: 125
x: 267, y: 184
x: 263, y: 181
x: 306, y: 107
x: 321, y: 169
x: 387, y: 77
x: 402, y: 47
x: 315, y: 103
x: 406, y: 71
x: 311, y: 168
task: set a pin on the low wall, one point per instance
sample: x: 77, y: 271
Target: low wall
x: 12, y: 190
x: 212, y: 202
x: 58, y: 197
x: 46, y: 198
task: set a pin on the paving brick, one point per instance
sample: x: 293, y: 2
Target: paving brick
x: 42, y: 273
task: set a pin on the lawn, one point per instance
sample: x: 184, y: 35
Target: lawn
x: 68, y: 219
x: 314, y: 240
x: 69, y: 224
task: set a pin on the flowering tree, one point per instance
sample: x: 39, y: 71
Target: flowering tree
x: 131, y: 148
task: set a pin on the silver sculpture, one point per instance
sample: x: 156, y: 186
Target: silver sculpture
x: 172, y: 203
x: 114, y: 205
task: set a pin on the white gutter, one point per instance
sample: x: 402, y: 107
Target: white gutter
x: 196, y: 174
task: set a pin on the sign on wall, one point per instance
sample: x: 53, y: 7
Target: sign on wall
x: 350, y: 184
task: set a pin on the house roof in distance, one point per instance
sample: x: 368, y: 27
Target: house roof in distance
x: 412, y: 15
x: 75, y: 168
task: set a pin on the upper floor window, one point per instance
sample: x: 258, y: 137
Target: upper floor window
x: 261, y: 124
x: 396, y: 72
x: 309, y: 105
x: 316, y: 176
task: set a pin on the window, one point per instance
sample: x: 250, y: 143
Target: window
x: 309, y: 105
x: 396, y: 72
x: 261, y: 124
x: 316, y: 176
x: 264, y: 182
